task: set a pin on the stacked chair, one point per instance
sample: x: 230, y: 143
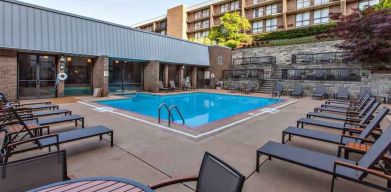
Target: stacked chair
x: 23, y: 130
x: 358, y: 124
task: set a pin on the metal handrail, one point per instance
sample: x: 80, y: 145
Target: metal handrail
x: 168, y: 110
x: 179, y: 113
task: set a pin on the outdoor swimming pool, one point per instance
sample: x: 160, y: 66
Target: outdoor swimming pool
x: 197, y: 108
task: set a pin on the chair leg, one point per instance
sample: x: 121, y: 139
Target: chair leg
x: 112, y: 139
x: 257, y: 163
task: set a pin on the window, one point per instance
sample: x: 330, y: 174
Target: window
x: 163, y: 32
x: 224, y: 8
x: 367, y: 3
x: 321, y: 16
x: 271, y: 24
x: 302, y: 4
x: 234, y: 5
x: 205, y: 13
x: 197, y: 25
x: 257, y: 27
x: 258, y: 12
x: 197, y: 14
x: 320, y: 2
x: 199, y: 35
x: 220, y: 60
x: 271, y: 9
x: 302, y: 19
x: 205, y: 24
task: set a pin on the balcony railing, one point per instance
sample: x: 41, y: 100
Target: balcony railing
x: 265, y: 13
x: 243, y: 74
x: 321, y: 58
x: 266, y: 60
x: 322, y: 74
x: 160, y: 27
x: 312, y: 3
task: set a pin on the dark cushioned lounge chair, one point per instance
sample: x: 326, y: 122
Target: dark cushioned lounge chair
x: 358, y: 105
x: 298, y: 91
x: 277, y: 90
x: 348, y: 102
x: 215, y: 175
x: 342, y: 93
x: 172, y: 86
x: 332, y: 165
x: 162, y: 88
x: 371, y: 108
x: 335, y: 125
x: 340, y: 139
x: 342, y: 110
x: 320, y: 92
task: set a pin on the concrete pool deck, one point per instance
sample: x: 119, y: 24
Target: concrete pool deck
x: 148, y: 155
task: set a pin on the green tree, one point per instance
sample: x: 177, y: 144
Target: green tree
x: 384, y: 4
x: 232, y: 30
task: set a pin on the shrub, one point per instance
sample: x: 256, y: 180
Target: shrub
x: 366, y: 35
x: 294, y: 33
x: 232, y: 43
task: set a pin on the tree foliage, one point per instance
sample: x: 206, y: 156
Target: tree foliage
x: 232, y: 30
x: 366, y: 34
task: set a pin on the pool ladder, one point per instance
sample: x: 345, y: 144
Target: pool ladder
x: 170, y: 116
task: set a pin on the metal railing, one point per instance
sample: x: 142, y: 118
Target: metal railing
x: 243, y: 74
x: 321, y: 58
x: 266, y: 60
x: 267, y: 13
x: 169, y: 111
x: 322, y: 74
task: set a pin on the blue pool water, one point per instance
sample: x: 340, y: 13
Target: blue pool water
x: 197, y: 108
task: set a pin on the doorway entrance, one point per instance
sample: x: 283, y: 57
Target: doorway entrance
x: 36, y: 76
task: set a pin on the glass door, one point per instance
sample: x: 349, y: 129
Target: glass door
x: 37, y: 76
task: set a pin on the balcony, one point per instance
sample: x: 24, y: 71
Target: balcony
x: 292, y: 8
x: 243, y: 74
x: 266, y: 60
x: 218, y: 12
x: 193, y: 29
x: 193, y: 19
x: 322, y: 74
x: 265, y: 14
x: 161, y: 27
x: 321, y: 58
x: 261, y: 3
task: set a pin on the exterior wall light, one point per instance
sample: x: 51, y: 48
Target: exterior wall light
x: 69, y: 59
x: 89, y: 60
x: 116, y: 62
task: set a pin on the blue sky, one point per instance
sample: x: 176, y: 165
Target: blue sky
x: 125, y: 12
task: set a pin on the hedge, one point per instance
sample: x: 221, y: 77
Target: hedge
x: 294, y: 33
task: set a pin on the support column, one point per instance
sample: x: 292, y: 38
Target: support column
x: 8, y: 73
x: 284, y: 17
x: 151, y: 76
x: 194, y: 77
x: 181, y: 82
x: 100, y: 73
x: 343, y: 7
x: 61, y: 84
x: 165, y: 75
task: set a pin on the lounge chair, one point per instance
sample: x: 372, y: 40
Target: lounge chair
x: 320, y: 92
x: 249, y: 88
x: 35, y: 135
x: 31, y: 106
x: 370, y: 108
x: 332, y: 165
x: 358, y: 105
x: 342, y: 93
x: 277, y: 90
x: 352, y: 109
x: 334, y: 125
x: 234, y: 86
x: 22, y: 175
x: 162, y: 88
x: 349, y: 102
x: 2, y: 96
x: 214, y: 175
x: 340, y: 139
x: 298, y: 91
x: 172, y: 86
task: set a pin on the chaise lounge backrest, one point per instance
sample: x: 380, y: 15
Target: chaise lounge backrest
x: 377, y: 151
x: 172, y: 84
x: 278, y: 88
x: 298, y: 89
x: 216, y: 175
x: 320, y: 90
x: 375, y: 121
x: 367, y: 107
x: 22, y: 175
x: 368, y: 115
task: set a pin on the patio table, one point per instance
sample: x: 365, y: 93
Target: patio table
x: 113, y: 184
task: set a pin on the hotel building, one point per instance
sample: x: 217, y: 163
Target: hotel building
x: 265, y: 15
